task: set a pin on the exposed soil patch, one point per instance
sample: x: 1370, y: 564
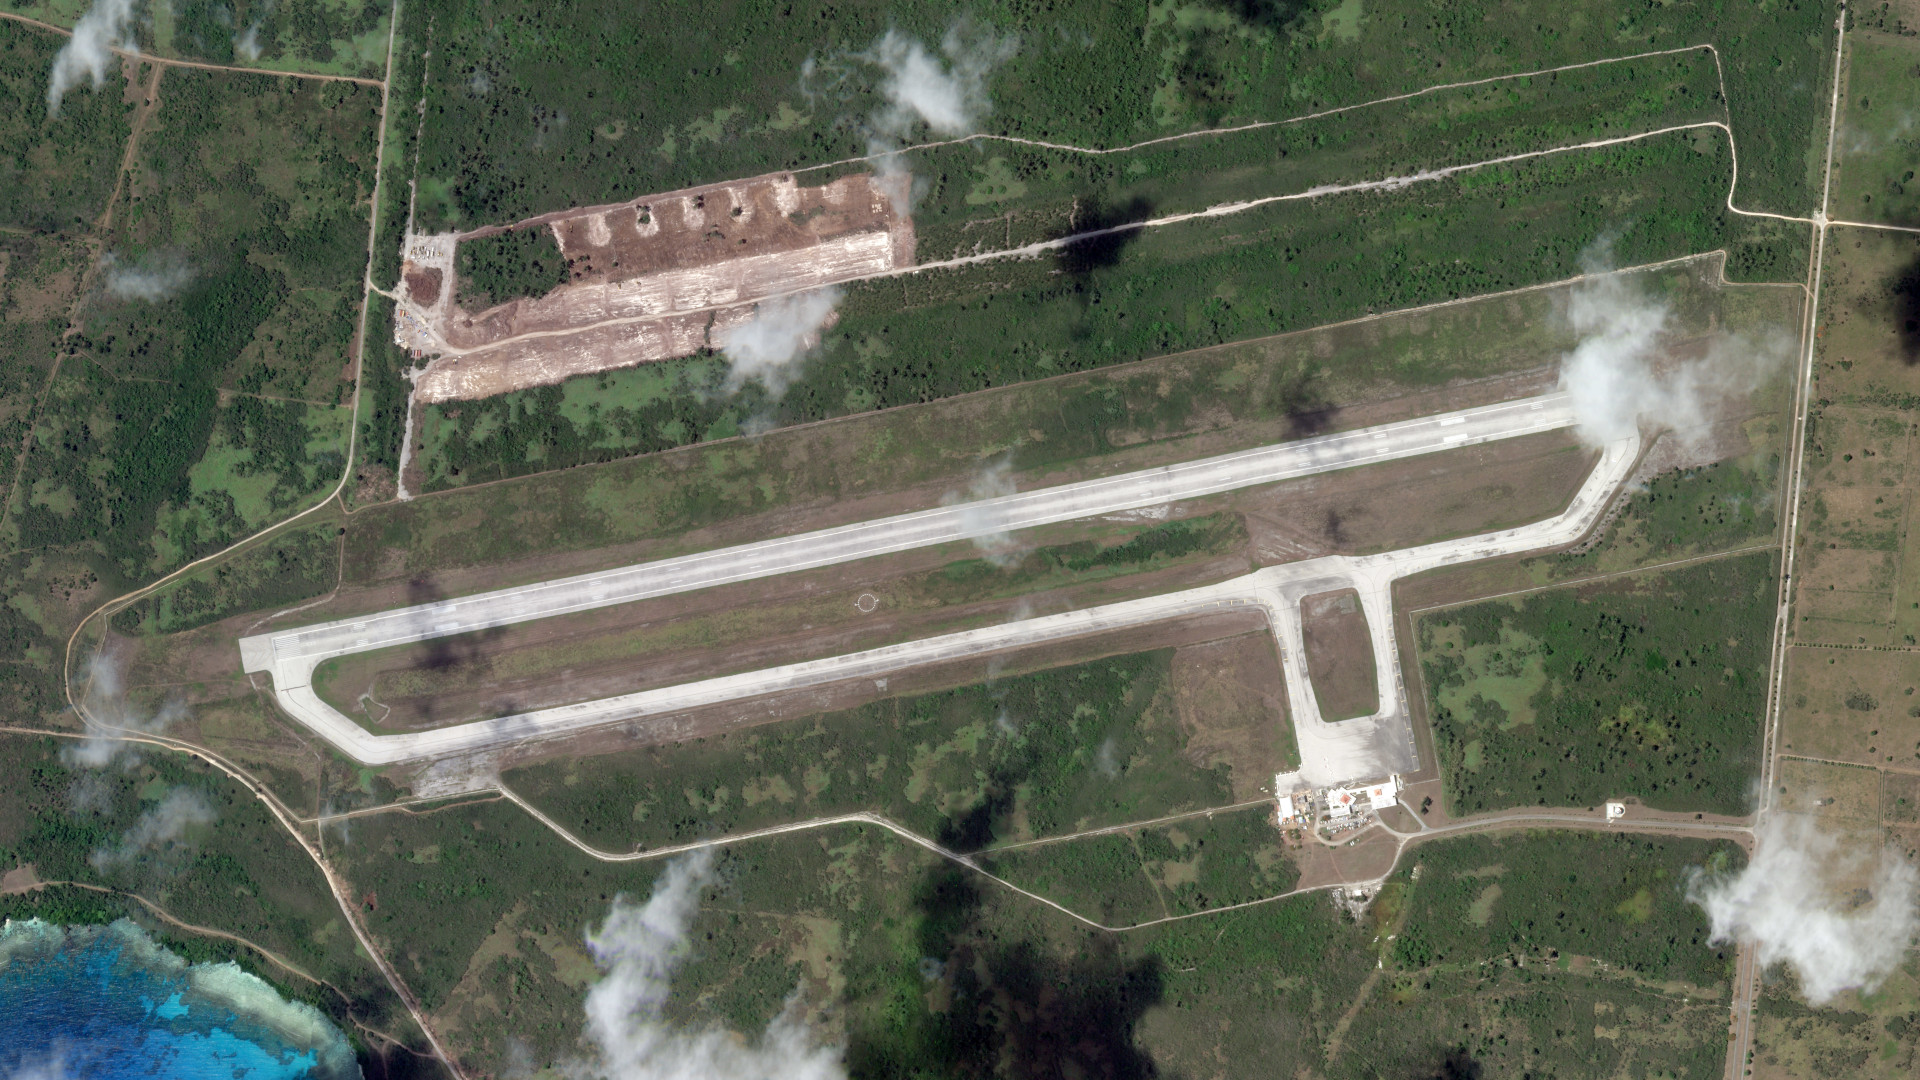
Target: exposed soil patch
x: 20, y: 879
x: 1232, y: 704
x: 423, y: 284
x: 663, y: 276
x: 1857, y: 705
x: 1339, y: 655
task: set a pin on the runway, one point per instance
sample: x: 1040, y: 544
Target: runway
x: 291, y: 655
x: 1331, y: 753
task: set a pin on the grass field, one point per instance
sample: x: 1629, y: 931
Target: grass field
x: 1650, y: 685
x: 1492, y: 960
x: 918, y: 966
x: 1140, y: 875
x: 467, y: 677
x: 1866, y: 1035
x: 1160, y: 410
x: 1879, y: 140
x: 1016, y: 758
x: 1340, y: 655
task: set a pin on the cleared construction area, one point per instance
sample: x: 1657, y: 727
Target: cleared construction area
x: 659, y: 277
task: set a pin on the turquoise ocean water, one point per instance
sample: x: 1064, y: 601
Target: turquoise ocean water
x: 106, y: 1002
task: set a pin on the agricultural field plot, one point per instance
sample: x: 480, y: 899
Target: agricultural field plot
x: 768, y: 87
x: 1859, y: 583
x: 1015, y: 758
x: 1878, y: 145
x: 328, y: 37
x: 1650, y: 685
x: 1854, y: 705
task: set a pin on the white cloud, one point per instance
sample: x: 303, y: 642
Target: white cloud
x: 159, y: 830
x: 154, y: 277
x: 105, y: 27
x: 1842, y: 917
x: 948, y: 95
x: 638, y: 948
x: 1619, y: 380
x: 108, y: 706
x: 781, y: 331
x: 984, y: 526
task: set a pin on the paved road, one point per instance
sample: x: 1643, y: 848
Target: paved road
x: 292, y: 655
x: 1331, y: 752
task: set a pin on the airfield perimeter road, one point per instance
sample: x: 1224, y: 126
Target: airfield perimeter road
x: 292, y: 655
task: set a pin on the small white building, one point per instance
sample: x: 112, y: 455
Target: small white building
x: 1384, y: 794
x: 1342, y: 802
x: 1287, y: 811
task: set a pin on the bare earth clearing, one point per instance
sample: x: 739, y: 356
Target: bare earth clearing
x: 646, y: 279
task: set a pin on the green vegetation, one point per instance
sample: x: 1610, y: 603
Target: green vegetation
x: 383, y: 390
x: 1087, y: 560
x: 334, y: 37
x: 1610, y: 897
x: 1879, y: 142
x: 516, y: 130
x: 1089, y: 423
x: 929, y: 970
x: 1687, y: 512
x: 1019, y: 757
x: 1139, y: 875
x: 283, y: 571
x: 231, y: 867
x: 1650, y: 686
x: 1555, y: 954
x: 1020, y: 194
x: 1270, y: 270
x: 1872, y: 1036
x: 181, y: 422
x: 519, y: 262
x: 56, y: 173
